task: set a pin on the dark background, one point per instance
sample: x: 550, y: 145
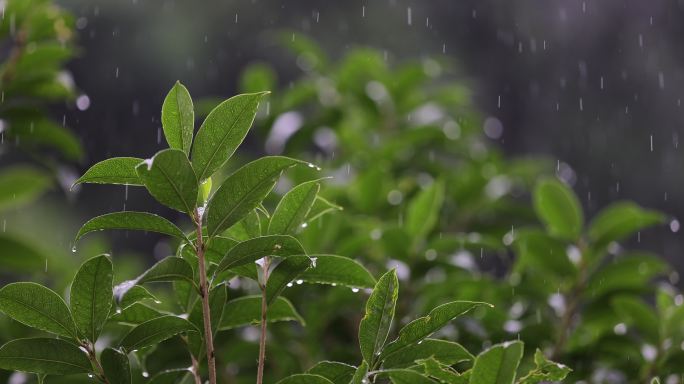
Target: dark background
x: 537, y: 66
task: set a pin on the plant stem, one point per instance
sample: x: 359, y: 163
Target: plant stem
x: 93, y: 360
x: 204, y: 295
x: 196, y: 370
x: 264, y: 308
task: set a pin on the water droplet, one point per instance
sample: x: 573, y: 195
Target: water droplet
x: 674, y: 225
x: 73, y: 249
x: 300, y: 282
x: 355, y: 290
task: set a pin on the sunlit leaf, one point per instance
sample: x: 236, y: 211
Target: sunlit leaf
x: 558, y: 208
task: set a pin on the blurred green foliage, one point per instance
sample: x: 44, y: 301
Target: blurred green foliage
x: 416, y: 189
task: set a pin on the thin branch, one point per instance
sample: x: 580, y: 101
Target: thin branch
x: 264, y: 309
x: 90, y: 348
x: 204, y: 295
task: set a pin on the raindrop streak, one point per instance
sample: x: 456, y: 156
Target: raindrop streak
x: 408, y: 16
x: 651, y: 143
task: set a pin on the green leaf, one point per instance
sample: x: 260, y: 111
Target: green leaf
x: 170, y: 376
x: 155, y: 331
x: 422, y: 327
x: 38, y: 307
x: 498, y: 364
x: 339, y: 270
x: 134, y: 314
x: 20, y: 185
x: 321, y: 207
x: 446, y: 352
x: 443, y: 373
x: 254, y: 249
x: 423, y: 210
x: 293, y: 208
x: 168, y: 269
x: 337, y: 373
x: 20, y: 256
x: 284, y: 273
x: 247, y: 311
x: 376, y: 323
x: 169, y: 177
x: 542, y: 253
x: 631, y: 272
x: 407, y: 376
x: 222, y: 132
x: 544, y: 371
x: 117, y: 170
x: 305, y: 378
x: 140, y: 221
x: 243, y: 191
x: 558, y: 208
x: 636, y: 313
x: 620, y: 220
x: 42, y: 355
x: 360, y: 374
x: 116, y: 366
x: 178, y: 118
x: 133, y: 295
x: 91, y: 296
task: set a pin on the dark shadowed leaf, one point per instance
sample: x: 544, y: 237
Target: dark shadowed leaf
x: 336, y: 372
x: 154, y: 331
x: 116, y: 366
x: 168, y: 269
x: 42, y: 355
x: 405, y: 376
x: 446, y: 352
x: 305, y: 378
x: 247, y: 311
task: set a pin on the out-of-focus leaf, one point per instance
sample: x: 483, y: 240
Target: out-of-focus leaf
x: 423, y: 210
x: 423, y: 327
x: 257, y: 77
x: 339, y: 270
x: 375, y: 325
x: 243, y: 191
x: 247, y: 311
x: 558, y: 208
x: 632, y: 272
x: 541, y: 252
x: 321, y: 207
x: 20, y: 185
x: 140, y: 221
x: 620, y: 220
x: 117, y: 170
x: 116, y: 366
x: 42, y: 355
x: 170, y: 179
x: 178, y: 118
x: 40, y: 132
x: 498, y: 364
x: 18, y: 256
x: 293, y: 209
x: 155, y: 331
x: 38, y: 307
x: 222, y: 132
x: 636, y: 313
x: 91, y: 296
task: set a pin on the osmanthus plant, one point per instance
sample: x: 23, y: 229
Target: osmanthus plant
x: 594, y: 294
x: 234, y: 236
x: 414, y: 357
